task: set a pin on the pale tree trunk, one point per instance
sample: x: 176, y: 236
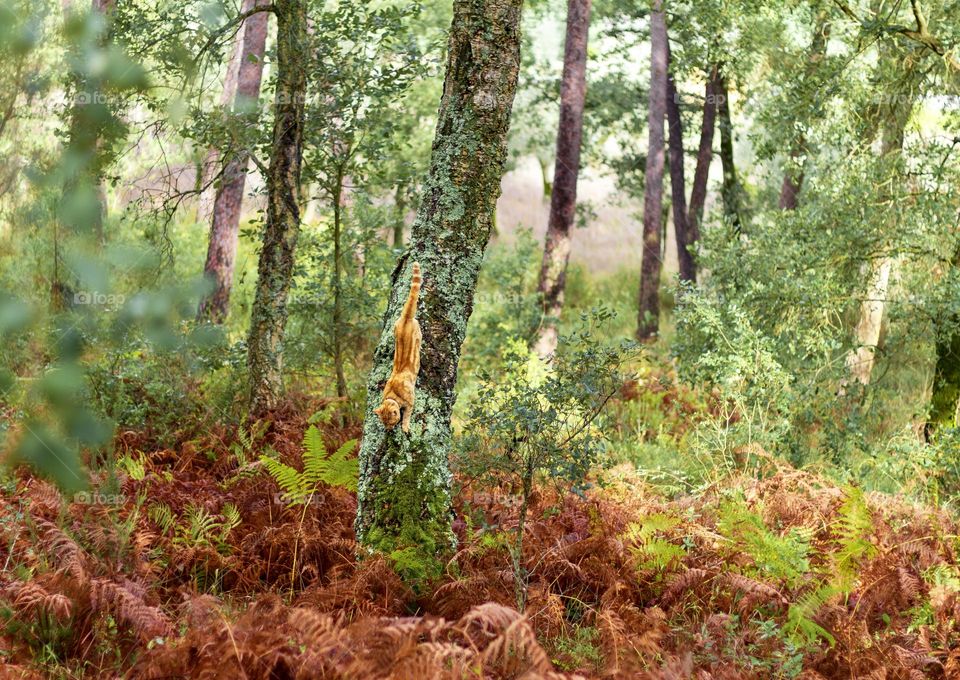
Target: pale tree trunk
x: 861, y: 359
x: 269, y: 315
x: 793, y: 176
x: 225, y: 226
x: 701, y: 175
x: 563, y: 193
x: 678, y: 189
x: 403, y: 498
x: 210, y: 163
x: 648, y: 318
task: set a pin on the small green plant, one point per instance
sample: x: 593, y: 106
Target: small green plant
x: 783, y: 557
x: 300, y: 488
x: 538, y: 418
x: 852, y: 530
x: 650, y: 549
x: 337, y: 469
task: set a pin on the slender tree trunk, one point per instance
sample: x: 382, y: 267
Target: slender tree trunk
x: 210, y: 163
x: 793, y: 176
x: 269, y: 315
x: 225, y: 227
x: 648, y: 322
x: 678, y: 189
x: 861, y: 360
x: 731, y: 185
x: 404, y: 486
x: 400, y: 204
x: 338, y: 206
x: 698, y: 192
x: 563, y: 193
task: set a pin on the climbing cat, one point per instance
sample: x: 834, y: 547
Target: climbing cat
x: 399, y: 392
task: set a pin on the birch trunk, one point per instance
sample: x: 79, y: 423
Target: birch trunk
x: 269, y: 315
x: 404, y: 486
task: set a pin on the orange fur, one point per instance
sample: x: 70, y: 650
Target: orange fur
x: 400, y: 390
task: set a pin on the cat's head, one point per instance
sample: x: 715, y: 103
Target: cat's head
x: 389, y: 413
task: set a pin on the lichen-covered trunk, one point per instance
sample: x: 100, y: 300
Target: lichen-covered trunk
x: 730, y: 190
x: 563, y: 193
x: 404, y: 487
x: 678, y: 188
x: 269, y: 315
x: 698, y: 192
x: 225, y: 225
x: 648, y: 318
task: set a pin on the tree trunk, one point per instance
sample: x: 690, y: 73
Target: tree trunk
x: 269, y: 315
x: 210, y: 162
x: 338, y: 206
x: 678, y: 190
x: 698, y: 192
x: 793, y: 175
x: 225, y: 228
x: 648, y: 320
x: 731, y: 186
x: 860, y: 361
x: 400, y: 204
x: 563, y: 193
x: 404, y: 486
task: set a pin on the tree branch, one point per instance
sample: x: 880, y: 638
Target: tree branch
x: 239, y: 19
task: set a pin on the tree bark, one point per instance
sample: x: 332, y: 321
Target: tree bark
x: 563, y: 192
x: 269, y: 315
x: 731, y: 185
x: 861, y: 359
x: 678, y: 189
x: 698, y: 192
x: 404, y: 486
x: 211, y: 162
x: 225, y: 227
x: 648, y: 319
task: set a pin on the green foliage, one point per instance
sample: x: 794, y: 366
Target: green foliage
x: 782, y: 557
x: 650, y: 550
x: 336, y: 469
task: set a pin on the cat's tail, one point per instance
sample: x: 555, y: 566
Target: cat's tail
x: 410, y: 308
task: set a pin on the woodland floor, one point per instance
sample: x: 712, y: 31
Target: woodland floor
x: 624, y: 581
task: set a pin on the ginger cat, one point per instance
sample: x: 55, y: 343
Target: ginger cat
x: 399, y: 392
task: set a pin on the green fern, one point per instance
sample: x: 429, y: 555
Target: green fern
x: 780, y: 557
x: 852, y: 531
x: 337, y: 469
x: 650, y: 550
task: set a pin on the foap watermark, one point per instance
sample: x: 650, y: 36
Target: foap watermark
x: 506, y: 500
x: 93, y: 297
x: 98, y: 498
x: 313, y: 499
